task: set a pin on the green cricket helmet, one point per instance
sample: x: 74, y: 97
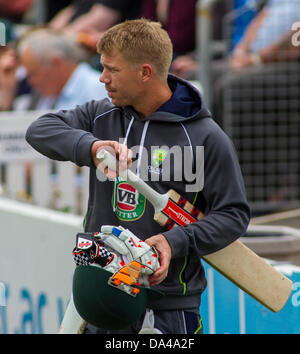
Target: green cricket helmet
x: 102, y: 304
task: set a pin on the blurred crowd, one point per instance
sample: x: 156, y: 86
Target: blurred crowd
x: 47, y: 61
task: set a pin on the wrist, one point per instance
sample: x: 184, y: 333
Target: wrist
x: 94, y: 148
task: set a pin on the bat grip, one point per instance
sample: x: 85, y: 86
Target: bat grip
x: 159, y: 201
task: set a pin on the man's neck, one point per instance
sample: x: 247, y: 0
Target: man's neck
x: 156, y: 97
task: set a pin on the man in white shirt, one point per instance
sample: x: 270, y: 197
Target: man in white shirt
x: 56, y: 70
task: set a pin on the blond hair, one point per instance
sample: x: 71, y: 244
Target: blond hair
x: 140, y: 41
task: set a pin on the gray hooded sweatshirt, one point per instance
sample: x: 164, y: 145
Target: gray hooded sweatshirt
x: 181, y: 124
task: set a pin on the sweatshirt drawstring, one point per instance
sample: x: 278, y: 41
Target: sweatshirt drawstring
x: 189, y: 140
x: 141, y: 147
x: 125, y: 143
x: 128, y: 130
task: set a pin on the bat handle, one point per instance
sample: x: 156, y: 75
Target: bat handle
x: 159, y: 201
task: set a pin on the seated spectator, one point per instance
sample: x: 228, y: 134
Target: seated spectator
x: 8, y: 64
x: 8, y: 81
x: 56, y: 71
x: 267, y: 28
x: 286, y: 49
x: 262, y: 54
x: 93, y: 17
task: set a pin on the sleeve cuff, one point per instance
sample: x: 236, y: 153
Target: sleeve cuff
x: 82, y: 150
x: 178, y: 241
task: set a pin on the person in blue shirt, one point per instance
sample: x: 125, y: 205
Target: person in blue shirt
x: 265, y: 30
x: 245, y: 11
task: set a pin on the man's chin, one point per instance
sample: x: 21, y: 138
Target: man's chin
x: 114, y: 101
x: 117, y: 102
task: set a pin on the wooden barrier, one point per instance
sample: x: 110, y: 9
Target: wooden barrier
x: 29, y: 176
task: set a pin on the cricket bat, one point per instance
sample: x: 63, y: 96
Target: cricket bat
x: 236, y: 262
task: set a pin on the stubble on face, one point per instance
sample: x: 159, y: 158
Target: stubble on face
x: 120, y: 78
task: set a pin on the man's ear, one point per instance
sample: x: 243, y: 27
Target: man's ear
x: 146, y: 72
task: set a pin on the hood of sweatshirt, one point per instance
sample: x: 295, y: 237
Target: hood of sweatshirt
x: 185, y: 104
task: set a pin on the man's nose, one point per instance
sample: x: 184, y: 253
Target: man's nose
x: 104, y: 78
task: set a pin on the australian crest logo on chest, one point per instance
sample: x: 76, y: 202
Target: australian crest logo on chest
x: 158, y: 157
x: 128, y: 203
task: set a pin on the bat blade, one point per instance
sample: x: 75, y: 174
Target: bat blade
x: 252, y: 274
x: 236, y: 261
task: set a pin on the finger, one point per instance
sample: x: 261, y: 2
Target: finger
x: 112, y: 147
x: 161, y: 273
x: 125, y: 157
x: 151, y: 241
x: 125, y: 154
x: 115, y: 149
x: 122, y: 152
x: 158, y: 276
x: 110, y: 173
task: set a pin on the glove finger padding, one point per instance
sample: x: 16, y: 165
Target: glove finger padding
x: 137, y: 249
x: 113, y: 248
